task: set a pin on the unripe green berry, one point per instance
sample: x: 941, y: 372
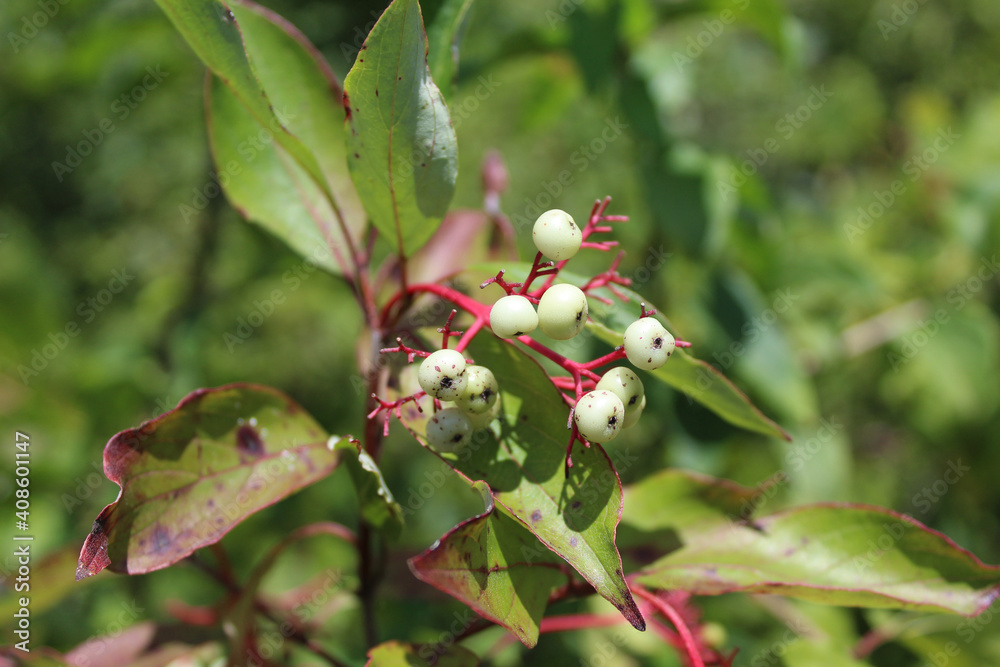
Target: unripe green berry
x: 562, y: 311
x: 556, y: 235
x: 599, y: 415
x: 647, y: 344
x: 512, y: 316
x: 624, y: 384
x: 442, y: 375
x: 481, y: 391
x: 632, y: 416
x: 449, y: 428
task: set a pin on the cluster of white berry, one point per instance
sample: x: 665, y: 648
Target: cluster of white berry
x: 473, y: 390
x: 618, y: 398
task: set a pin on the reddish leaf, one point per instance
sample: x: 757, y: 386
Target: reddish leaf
x: 496, y: 567
x: 192, y: 474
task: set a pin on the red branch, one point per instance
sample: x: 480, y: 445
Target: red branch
x: 690, y: 645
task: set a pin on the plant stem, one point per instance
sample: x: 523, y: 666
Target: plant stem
x: 665, y: 608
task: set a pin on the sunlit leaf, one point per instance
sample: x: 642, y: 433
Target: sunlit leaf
x: 496, y: 567
x: 837, y: 553
x: 404, y: 156
x: 576, y: 517
x: 268, y: 187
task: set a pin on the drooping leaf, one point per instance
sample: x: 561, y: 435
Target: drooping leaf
x: 403, y: 153
x: 268, y: 187
x: 301, y: 86
x: 836, y: 553
x: 400, y: 654
x: 574, y: 516
x: 285, y: 115
x: 378, y: 507
x: 496, y: 567
x: 190, y: 475
x: 211, y: 29
x: 443, y: 38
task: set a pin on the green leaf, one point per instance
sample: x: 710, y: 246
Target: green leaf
x: 190, y: 475
x: 496, y: 567
x: 576, y: 517
x: 267, y: 186
x: 837, y: 553
x: 444, y: 36
x: 378, y: 507
x: 211, y: 30
x: 400, y: 654
x: 404, y: 156
x: 301, y: 85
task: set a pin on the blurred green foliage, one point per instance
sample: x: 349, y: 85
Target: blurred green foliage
x: 824, y: 175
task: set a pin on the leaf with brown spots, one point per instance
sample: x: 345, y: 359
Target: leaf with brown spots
x: 403, y: 149
x: 575, y: 516
x: 832, y: 553
x: 496, y: 567
x: 190, y: 475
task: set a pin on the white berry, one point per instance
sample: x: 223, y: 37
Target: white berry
x: 599, y: 415
x: 556, y: 235
x: 647, y: 344
x: 442, y: 375
x: 513, y: 315
x: 485, y: 419
x: 481, y: 391
x: 562, y: 311
x: 449, y: 428
x: 631, y: 417
x: 626, y: 385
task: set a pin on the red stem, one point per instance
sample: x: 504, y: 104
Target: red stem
x: 664, y: 607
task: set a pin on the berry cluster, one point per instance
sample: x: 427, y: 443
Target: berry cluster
x: 466, y: 396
